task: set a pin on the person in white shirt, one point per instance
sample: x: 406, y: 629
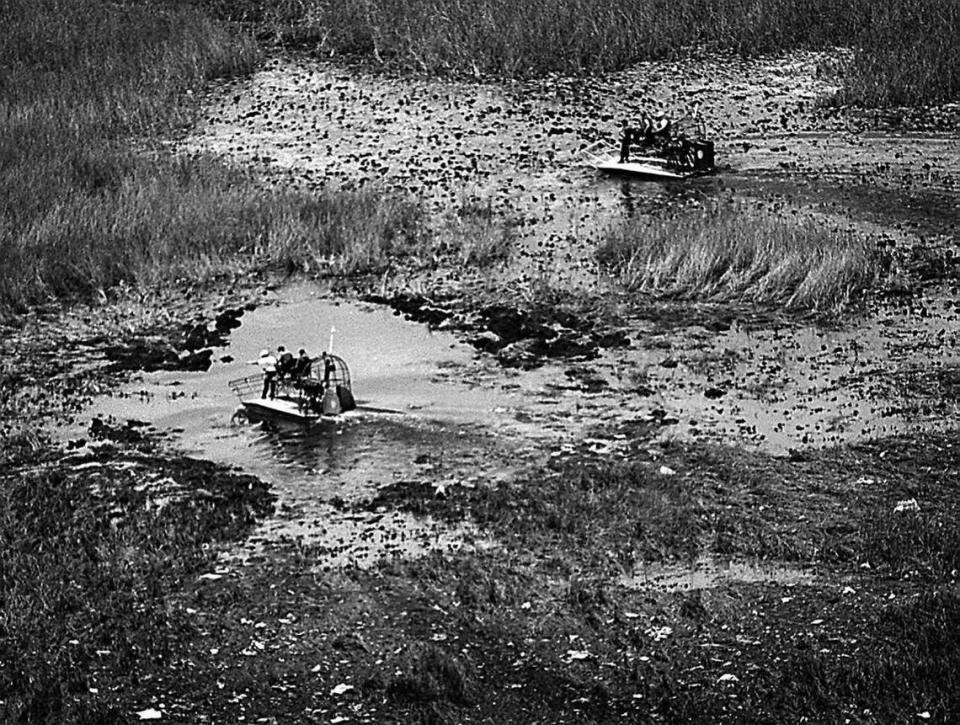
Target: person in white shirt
x: 268, y: 366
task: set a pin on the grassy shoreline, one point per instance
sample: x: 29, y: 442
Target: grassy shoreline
x: 905, y: 51
x: 83, y: 211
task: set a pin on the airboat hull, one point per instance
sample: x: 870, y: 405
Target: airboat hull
x: 647, y: 167
x: 279, y: 408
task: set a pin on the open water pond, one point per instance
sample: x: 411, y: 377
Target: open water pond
x: 429, y: 410
x: 434, y: 411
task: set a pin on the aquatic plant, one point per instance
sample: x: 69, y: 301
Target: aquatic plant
x: 725, y: 254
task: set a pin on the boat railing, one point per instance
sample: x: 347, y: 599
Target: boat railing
x: 287, y: 386
x: 246, y: 386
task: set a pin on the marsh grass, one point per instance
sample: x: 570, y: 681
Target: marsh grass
x: 834, y: 507
x: 431, y: 674
x: 474, y: 233
x: 174, y: 221
x: 905, y: 50
x: 88, y: 561
x: 906, y: 54
x: 82, y: 210
x: 727, y: 255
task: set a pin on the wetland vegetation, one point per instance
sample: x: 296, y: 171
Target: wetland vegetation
x: 91, y: 199
x: 497, y: 38
x: 729, y: 255
x: 112, y: 599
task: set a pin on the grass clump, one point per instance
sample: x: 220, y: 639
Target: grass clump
x: 431, y: 674
x: 725, y: 255
x: 475, y: 233
x: 594, y: 509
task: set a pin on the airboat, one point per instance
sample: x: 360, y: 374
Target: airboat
x: 324, y: 390
x: 676, y: 160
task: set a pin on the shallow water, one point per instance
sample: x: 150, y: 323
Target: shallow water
x: 708, y: 573
x: 429, y: 410
x: 443, y: 414
x: 798, y: 387
x: 519, y: 144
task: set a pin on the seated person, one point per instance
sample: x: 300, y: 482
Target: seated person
x: 655, y: 132
x: 285, y: 362
x: 302, y: 365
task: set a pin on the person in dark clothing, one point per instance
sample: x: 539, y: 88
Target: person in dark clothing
x: 302, y: 366
x: 329, y: 369
x: 626, y: 138
x: 285, y: 362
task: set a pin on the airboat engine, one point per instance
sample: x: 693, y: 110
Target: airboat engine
x: 703, y: 158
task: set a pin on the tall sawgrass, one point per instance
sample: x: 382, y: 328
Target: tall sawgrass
x: 731, y: 255
x: 86, y: 202
x: 906, y: 53
x: 902, y: 44
x: 192, y: 220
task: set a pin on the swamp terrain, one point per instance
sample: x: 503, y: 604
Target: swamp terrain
x: 574, y: 492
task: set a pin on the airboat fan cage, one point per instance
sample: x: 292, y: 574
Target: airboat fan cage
x: 339, y: 375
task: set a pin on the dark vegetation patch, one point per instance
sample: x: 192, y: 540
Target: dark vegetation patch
x: 521, y: 330
x: 95, y: 547
x: 834, y: 508
x: 480, y: 638
x: 871, y: 640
